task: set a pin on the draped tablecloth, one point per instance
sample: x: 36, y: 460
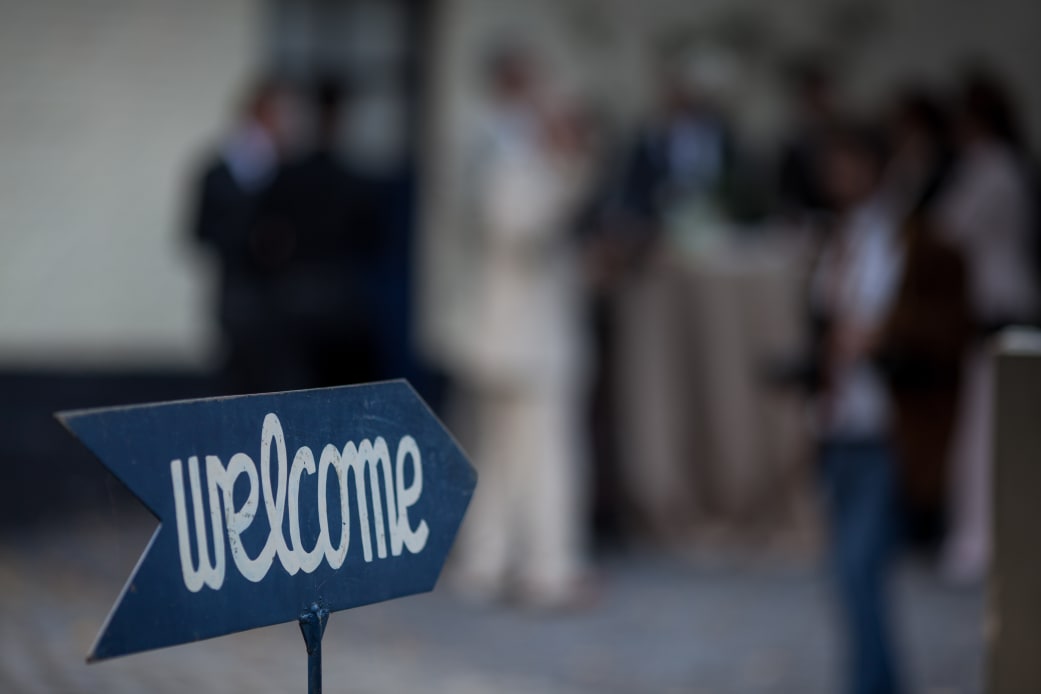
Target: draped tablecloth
x: 705, y: 439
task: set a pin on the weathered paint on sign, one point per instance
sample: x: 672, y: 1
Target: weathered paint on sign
x: 269, y: 504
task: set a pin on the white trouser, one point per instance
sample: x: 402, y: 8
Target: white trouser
x: 966, y: 552
x: 527, y: 515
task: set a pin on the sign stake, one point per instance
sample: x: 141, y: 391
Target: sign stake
x: 312, y: 626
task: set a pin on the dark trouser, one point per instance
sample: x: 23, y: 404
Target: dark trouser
x: 861, y: 503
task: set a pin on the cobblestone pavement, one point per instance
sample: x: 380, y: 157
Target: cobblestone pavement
x: 663, y: 625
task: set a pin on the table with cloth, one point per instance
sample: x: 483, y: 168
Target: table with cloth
x: 706, y: 439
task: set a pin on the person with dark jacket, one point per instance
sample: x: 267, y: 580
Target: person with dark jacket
x: 319, y: 235
x: 228, y: 196
x: 927, y: 332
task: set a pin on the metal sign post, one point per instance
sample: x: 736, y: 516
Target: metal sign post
x: 312, y: 626
x: 277, y: 507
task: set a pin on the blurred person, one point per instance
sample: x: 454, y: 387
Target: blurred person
x: 526, y: 366
x: 922, y: 151
x: 672, y: 182
x: 319, y: 239
x: 684, y: 153
x: 926, y: 332
x: 852, y: 290
x: 608, y: 249
x: 228, y: 194
x: 988, y: 213
x: 801, y: 186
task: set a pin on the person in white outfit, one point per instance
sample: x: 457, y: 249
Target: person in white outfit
x: 852, y: 291
x: 525, y: 363
x: 987, y: 213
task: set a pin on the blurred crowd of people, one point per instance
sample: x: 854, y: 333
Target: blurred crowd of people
x: 924, y: 238
x: 924, y: 232
x: 928, y: 247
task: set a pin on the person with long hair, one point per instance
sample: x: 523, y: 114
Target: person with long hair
x: 988, y: 213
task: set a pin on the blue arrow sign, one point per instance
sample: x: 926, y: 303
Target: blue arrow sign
x: 272, y: 504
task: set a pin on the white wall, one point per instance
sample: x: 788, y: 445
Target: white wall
x: 105, y: 107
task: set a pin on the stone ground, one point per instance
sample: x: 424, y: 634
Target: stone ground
x: 716, y: 624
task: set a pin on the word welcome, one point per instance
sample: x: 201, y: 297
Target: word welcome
x: 285, y: 498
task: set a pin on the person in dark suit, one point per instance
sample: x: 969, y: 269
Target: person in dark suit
x: 228, y: 195
x: 320, y: 234
x: 682, y: 157
x: 802, y: 187
x: 685, y: 152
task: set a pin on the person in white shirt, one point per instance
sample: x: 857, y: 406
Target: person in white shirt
x: 852, y: 290
x: 988, y: 213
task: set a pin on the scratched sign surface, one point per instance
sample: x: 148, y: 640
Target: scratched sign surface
x: 267, y: 503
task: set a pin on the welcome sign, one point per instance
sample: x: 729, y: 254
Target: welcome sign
x: 272, y: 504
